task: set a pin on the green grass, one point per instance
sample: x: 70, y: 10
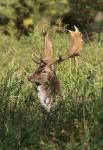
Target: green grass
x: 76, y: 123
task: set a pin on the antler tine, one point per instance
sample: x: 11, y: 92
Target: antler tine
x: 36, y: 59
x: 75, y: 46
x: 48, y: 52
x: 76, y: 29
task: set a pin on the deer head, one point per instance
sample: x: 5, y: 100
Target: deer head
x: 46, y: 71
x: 45, y: 74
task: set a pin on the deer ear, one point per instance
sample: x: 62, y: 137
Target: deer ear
x: 50, y: 76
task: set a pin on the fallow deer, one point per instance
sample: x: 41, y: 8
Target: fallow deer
x: 45, y: 74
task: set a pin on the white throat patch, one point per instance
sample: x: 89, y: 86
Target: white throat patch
x: 45, y: 100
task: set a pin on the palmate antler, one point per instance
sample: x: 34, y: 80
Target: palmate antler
x: 47, y: 56
x: 76, y: 43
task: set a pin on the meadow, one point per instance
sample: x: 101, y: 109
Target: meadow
x: 77, y: 121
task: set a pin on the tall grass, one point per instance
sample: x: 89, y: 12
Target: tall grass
x: 77, y: 121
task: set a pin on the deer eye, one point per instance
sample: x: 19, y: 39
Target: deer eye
x: 44, y: 71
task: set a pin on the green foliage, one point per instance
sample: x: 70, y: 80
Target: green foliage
x: 85, y: 10
x: 76, y: 122
x: 20, y: 16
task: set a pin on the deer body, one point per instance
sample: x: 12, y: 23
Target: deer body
x: 45, y: 74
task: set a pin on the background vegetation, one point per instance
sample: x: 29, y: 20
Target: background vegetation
x: 20, y: 16
x: 77, y: 122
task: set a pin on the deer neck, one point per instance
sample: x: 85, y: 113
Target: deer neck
x: 45, y: 98
x: 47, y: 93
